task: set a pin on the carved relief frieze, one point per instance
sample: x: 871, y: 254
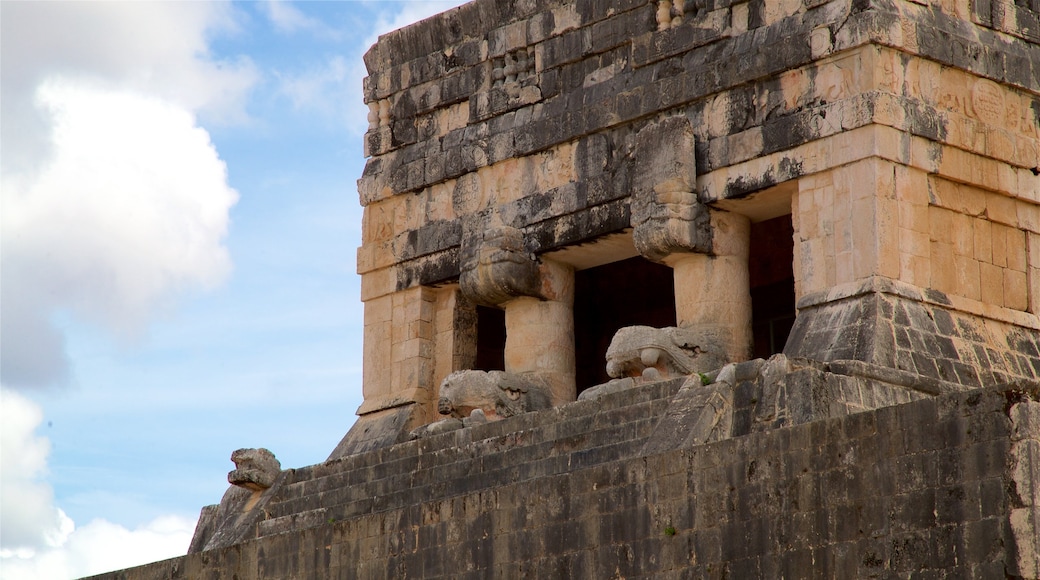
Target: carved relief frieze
x: 514, y: 83
x: 513, y: 68
x: 378, y: 114
x: 670, y: 13
x: 496, y: 267
x: 666, y: 215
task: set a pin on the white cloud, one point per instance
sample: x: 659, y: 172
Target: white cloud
x: 27, y: 515
x: 312, y: 89
x: 155, y: 48
x: 115, y: 201
x: 131, y: 210
x: 288, y: 20
x: 39, y: 541
x: 101, y: 546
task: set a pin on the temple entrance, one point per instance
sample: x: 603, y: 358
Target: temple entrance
x: 491, y: 339
x: 771, y: 269
x: 608, y: 297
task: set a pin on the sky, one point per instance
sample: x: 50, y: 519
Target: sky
x: 178, y: 227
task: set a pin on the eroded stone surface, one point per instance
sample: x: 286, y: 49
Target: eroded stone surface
x: 645, y: 353
x: 1024, y: 472
x: 667, y: 216
x: 255, y: 469
x: 496, y: 267
x: 900, y: 473
x: 495, y: 394
x: 901, y: 137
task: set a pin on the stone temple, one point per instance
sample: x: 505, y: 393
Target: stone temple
x: 652, y: 288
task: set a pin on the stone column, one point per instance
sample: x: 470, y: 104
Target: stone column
x: 712, y: 290
x: 707, y: 248
x: 538, y: 299
x: 540, y: 332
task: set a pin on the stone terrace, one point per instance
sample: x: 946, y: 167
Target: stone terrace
x: 940, y: 486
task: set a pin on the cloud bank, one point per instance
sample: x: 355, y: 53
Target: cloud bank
x: 152, y: 48
x: 27, y: 514
x: 39, y: 540
x: 115, y: 200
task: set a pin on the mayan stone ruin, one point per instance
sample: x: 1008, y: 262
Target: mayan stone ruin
x: 667, y: 289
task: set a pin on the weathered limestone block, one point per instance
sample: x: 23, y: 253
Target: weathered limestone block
x: 669, y: 13
x: 399, y: 348
x: 436, y: 428
x: 1024, y: 488
x: 712, y: 291
x: 380, y: 428
x: 255, y: 469
x: 708, y: 249
x: 413, y: 338
x: 650, y: 354
x: 495, y: 394
x: 666, y: 215
x: 496, y: 267
x: 218, y: 524
x: 889, y: 324
x: 713, y: 418
x: 764, y: 394
x: 607, y: 388
x: 698, y: 414
x: 540, y: 332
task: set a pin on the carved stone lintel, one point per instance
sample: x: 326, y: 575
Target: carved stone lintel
x: 497, y: 268
x: 495, y: 394
x: 669, y: 223
x: 649, y: 354
x: 667, y: 217
x: 255, y: 469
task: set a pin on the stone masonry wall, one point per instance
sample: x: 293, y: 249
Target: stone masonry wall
x: 907, y: 131
x: 603, y: 70
x: 936, y: 487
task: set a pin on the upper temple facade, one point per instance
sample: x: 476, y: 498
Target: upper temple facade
x: 836, y: 180
x: 666, y: 289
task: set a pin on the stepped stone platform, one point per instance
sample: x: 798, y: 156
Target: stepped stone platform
x: 936, y: 487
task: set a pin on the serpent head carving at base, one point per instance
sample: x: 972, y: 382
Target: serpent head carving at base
x: 495, y: 393
x: 255, y: 469
x: 646, y: 354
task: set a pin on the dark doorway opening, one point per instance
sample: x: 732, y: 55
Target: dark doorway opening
x: 625, y: 293
x: 491, y: 339
x: 771, y: 269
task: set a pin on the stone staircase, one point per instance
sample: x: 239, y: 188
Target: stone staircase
x: 933, y: 485
x: 523, y: 448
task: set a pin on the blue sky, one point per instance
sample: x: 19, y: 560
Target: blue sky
x: 180, y: 221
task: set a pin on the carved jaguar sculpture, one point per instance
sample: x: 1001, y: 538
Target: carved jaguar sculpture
x: 495, y: 393
x: 255, y: 469
x: 649, y: 354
